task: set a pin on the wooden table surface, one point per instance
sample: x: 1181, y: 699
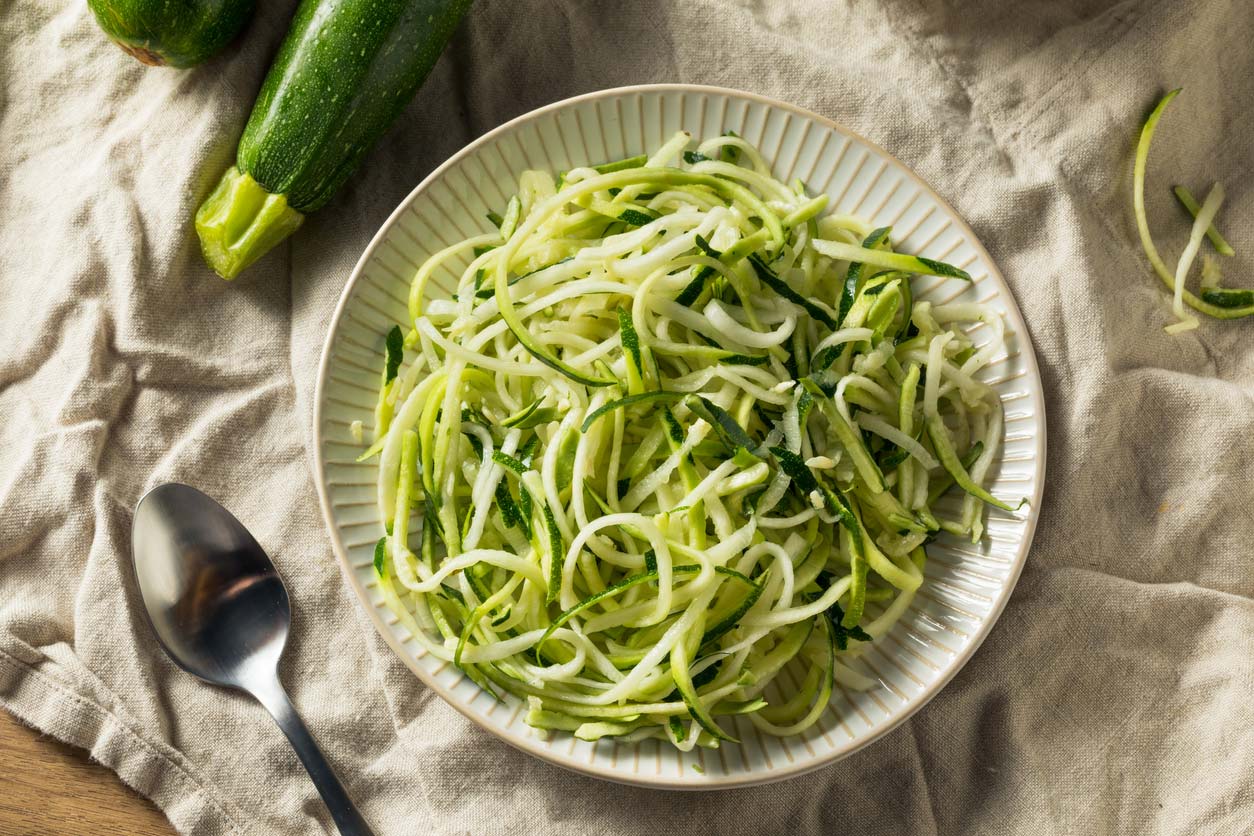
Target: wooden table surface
x: 50, y: 789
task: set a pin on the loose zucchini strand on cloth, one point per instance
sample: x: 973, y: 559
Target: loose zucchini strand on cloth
x: 1220, y: 303
x: 666, y: 446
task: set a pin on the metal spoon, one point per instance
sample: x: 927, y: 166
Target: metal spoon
x: 220, y: 610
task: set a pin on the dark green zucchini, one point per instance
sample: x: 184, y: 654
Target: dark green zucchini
x: 345, y: 71
x: 174, y: 33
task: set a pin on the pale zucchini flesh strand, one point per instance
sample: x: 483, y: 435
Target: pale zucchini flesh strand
x: 1146, y: 137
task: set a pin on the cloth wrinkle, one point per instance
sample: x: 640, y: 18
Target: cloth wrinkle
x: 968, y: 100
x: 922, y: 772
x: 155, y: 749
x: 1100, y: 46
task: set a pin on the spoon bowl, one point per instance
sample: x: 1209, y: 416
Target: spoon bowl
x: 214, y: 599
x: 220, y: 610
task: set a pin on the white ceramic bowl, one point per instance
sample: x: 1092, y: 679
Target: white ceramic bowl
x: 966, y: 587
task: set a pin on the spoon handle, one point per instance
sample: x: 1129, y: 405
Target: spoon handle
x: 347, y: 819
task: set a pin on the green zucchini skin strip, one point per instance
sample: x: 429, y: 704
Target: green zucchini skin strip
x: 394, y: 355
x: 853, y: 278
x: 508, y: 462
x: 628, y: 583
x: 380, y: 557
x: 1228, y: 298
x: 631, y: 349
x: 693, y: 289
x: 803, y: 477
x: 768, y: 278
x: 730, y: 433
x: 728, y: 622
x: 949, y: 460
x: 858, y: 565
x: 513, y: 210
x: 687, y: 690
x: 557, y: 551
x: 634, y: 217
x: 630, y: 400
x: 519, y: 419
x: 621, y: 165
x: 840, y: 634
x: 395, y: 352
x: 891, y: 261
x: 945, y: 481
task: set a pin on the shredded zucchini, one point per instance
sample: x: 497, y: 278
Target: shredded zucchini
x: 1191, y: 206
x: 668, y: 441
x: 1217, y: 303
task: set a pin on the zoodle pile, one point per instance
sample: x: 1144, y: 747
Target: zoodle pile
x: 666, y: 446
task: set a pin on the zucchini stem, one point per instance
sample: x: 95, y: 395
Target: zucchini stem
x: 240, y: 222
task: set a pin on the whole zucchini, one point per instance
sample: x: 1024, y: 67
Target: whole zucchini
x: 345, y: 71
x: 175, y: 33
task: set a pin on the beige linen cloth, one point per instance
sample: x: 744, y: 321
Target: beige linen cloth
x: 1115, y: 695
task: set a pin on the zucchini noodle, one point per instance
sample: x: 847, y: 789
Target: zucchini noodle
x: 667, y: 447
x: 1214, y: 301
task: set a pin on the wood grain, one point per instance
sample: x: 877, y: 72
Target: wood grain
x: 50, y: 789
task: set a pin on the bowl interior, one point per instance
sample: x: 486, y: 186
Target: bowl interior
x: 966, y: 585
